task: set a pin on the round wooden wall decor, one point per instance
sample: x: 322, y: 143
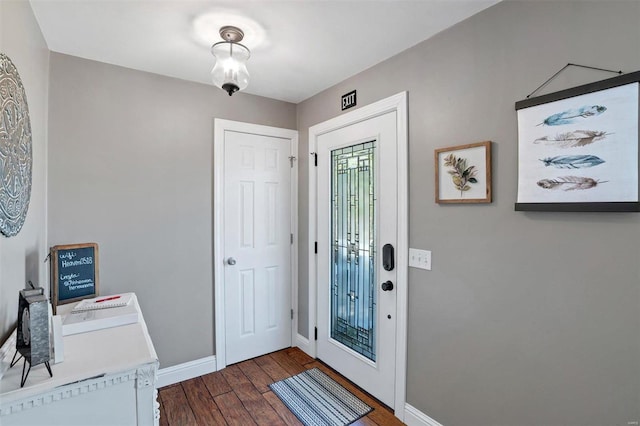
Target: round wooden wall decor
x: 16, y: 157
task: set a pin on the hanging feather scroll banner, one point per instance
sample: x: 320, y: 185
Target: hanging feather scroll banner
x: 578, y: 148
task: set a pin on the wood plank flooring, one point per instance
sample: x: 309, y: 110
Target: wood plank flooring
x: 239, y: 395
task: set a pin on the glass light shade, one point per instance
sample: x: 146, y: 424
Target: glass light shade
x: 230, y: 71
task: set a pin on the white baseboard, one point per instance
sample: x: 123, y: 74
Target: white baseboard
x: 415, y: 417
x: 188, y: 370
x: 304, y: 344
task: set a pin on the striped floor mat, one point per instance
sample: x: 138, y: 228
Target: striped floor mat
x: 317, y: 400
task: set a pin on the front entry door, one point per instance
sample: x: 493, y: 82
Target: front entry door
x: 257, y: 251
x: 357, y: 215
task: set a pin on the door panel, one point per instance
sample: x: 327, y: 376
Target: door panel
x: 357, y: 215
x: 257, y: 227
x: 247, y: 302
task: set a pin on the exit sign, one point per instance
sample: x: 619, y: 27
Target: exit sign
x: 349, y: 100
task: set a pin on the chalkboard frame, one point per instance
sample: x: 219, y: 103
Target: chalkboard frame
x: 55, y: 282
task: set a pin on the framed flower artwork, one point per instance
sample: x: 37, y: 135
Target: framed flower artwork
x: 463, y: 173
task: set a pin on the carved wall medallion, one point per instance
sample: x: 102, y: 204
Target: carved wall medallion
x: 16, y: 156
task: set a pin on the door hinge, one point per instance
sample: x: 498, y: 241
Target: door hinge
x: 291, y: 238
x: 315, y: 333
x: 315, y: 158
x: 315, y: 247
x: 292, y: 314
x: 291, y: 160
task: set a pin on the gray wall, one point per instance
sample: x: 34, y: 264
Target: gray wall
x: 130, y: 167
x: 21, y: 256
x: 526, y: 318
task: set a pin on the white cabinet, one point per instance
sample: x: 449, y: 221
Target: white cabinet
x: 108, y: 377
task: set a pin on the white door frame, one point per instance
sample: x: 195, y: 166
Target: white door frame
x: 220, y: 127
x: 397, y: 103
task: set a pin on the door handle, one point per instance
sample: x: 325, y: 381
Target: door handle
x: 387, y: 286
x: 388, y: 257
x: 231, y: 261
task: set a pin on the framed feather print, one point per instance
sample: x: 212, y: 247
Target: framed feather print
x: 463, y: 173
x: 578, y: 148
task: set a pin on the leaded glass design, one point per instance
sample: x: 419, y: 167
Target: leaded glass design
x: 353, y: 237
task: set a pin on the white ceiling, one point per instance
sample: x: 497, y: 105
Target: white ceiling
x: 298, y: 48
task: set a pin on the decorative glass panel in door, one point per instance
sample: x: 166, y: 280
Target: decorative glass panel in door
x: 353, y: 244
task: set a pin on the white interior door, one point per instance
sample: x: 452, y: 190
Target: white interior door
x: 256, y: 255
x: 357, y: 214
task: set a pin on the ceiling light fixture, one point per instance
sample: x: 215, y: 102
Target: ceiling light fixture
x: 230, y: 71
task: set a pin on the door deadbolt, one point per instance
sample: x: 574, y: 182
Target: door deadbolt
x: 387, y: 286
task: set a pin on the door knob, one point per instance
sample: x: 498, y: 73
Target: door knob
x: 387, y: 286
x: 231, y: 261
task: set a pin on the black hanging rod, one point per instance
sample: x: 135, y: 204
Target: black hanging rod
x: 564, y: 68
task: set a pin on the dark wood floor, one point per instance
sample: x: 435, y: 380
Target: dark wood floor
x: 240, y: 394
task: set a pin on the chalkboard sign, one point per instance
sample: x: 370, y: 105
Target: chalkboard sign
x: 74, y: 272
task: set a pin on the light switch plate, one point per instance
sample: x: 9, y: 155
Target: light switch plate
x: 420, y: 259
